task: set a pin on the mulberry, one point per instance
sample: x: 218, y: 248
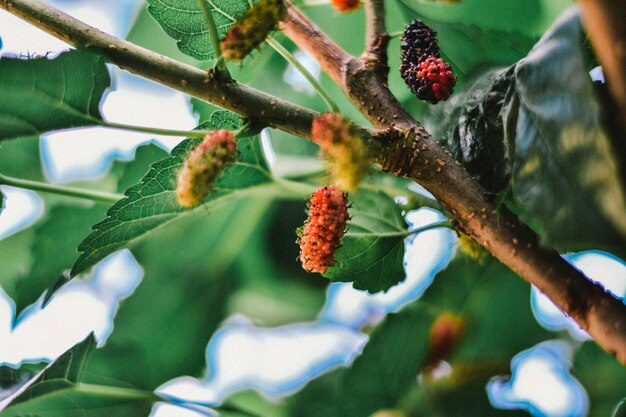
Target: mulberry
x: 322, y: 231
x: 428, y: 76
x: 445, y: 334
x: 344, y: 149
x: 418, y: 41
x: 431, y: 80
x: 252, y: 29
x: 346, y: 6
x: 203, y: 165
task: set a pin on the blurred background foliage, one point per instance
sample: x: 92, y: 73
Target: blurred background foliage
x: 240, y: 258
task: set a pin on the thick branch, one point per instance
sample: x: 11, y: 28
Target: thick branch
x: 410, y: 152
x: 309, y: 37
x: 604, y: 21
x: 418, y: 156
x: 193, y: 81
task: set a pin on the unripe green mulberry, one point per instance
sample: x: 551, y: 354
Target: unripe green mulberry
x: 203, y: 165
x: 344, y: 149
x: 322, y: 231
x: 252, y: 29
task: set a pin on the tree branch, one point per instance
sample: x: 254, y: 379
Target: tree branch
x: 405, y: 149
x: 413, y: 153
x: 204, y: 85
x: 604, y: 21
x: 376, y: 38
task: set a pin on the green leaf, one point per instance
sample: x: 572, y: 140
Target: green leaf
x: 59, y: 398
x: 379, y: 378
x: 389, y: 365
x: 604, y: 392
x: 183, y: 20
x: 251, y: 403
x: 567, y: 178
x: 70, y: 365
x: 56, y: 392
x: 54, y: 248
x: 495, y: 304
x: 620, y: 409
x: 372, y: 251
x: 191, y: 280
x: 58, y: 234
x: 12, y: 379
x: 39, y: 95
x: 152, y: 203
x: 2, y: 201
x: 475, y: 129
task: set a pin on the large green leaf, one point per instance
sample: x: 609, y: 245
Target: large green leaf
x: 183, y: 20
x: 39, y: 95
x: 12, y: 379
x: 379, y: 378
x: 54, y: 249
x: 567, y: 177
x: 65, y: 224
x: 152, y: 203
x: 372, y: 250
x: 603, y: 377
x: 59, y: 398
x: 56, y: 392
x: 494, y: 306
x: 190, y: 280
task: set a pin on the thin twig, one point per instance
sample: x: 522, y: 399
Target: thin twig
x: 278, y: 47
x: 209, y: 20
x: 99, y: 196
x: 376, y: 39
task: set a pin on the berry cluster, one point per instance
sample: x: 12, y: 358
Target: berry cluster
x: 251, y: 30
x: 203, y: 165
x: 346, y: 6
x: 343, y: 148
x: 428, y: 76
x: 322, y: 231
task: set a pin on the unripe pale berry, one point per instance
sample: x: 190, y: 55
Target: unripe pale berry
x: 322, y: 231
x: 346, y: 152
x: 252, y: 29
x: 203, y: 165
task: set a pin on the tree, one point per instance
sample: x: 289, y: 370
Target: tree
x: 508, y: 150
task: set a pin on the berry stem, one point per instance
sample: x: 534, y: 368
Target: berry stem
x: 215, y: 39
x: 278, y: 47
x: 442, y: 224
x: 98, y: 196
x: 198, y: 134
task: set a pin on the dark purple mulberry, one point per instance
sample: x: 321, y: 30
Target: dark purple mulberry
x: 428, y: 76
x: 418, y: 41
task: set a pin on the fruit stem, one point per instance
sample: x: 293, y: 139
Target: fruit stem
x: 198, y: 134
x: 215, y: 40
x: 98, y: 196
x: 278, y: 47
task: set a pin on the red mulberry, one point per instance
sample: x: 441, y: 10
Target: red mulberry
x: 322, y: 231
x: 346, y: 6
x: 252, y: 29
x: 203, y: 165
x: 431, y: 80
x: 344, y: 149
